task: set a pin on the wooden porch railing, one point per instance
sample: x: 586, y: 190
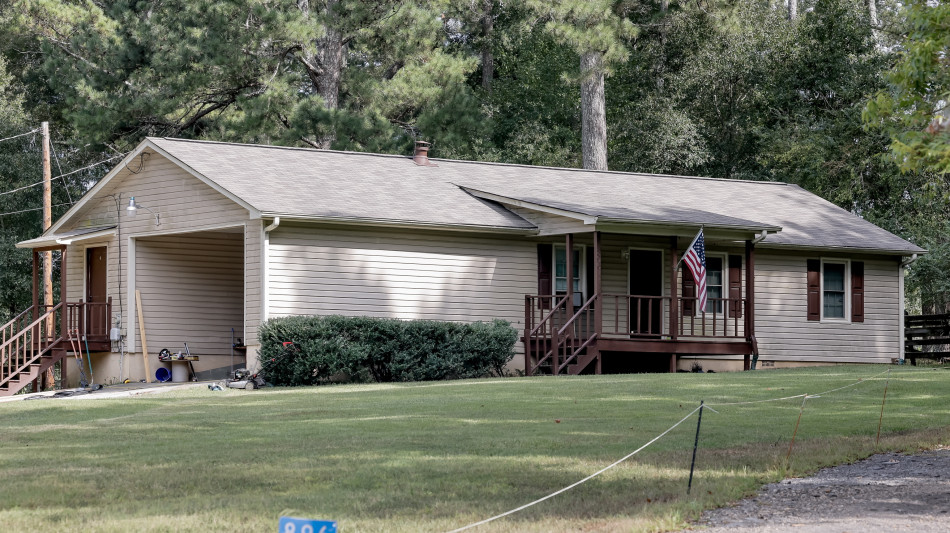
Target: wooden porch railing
x: 649, y: 317
x: 29, y: 336
x: 26, y: 346
x: 552, y: 336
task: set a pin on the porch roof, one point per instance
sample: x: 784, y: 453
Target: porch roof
x: 68, y: 237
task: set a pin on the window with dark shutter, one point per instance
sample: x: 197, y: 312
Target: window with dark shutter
x: 735, y: 286
x: 814, y: 289
x: 857, y: 291
x: 545, y: 283
x: 689, y: 293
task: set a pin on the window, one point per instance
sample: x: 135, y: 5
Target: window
x: 715, y: 281
x: 833, y: 290
x: 560, y: 270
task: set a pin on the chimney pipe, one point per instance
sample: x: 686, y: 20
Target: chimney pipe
x: 421, y: 154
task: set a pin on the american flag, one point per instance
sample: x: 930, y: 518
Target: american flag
x: 695, y: 259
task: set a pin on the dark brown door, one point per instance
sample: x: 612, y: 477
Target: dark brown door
x: 646, y: 279
x: 97, y: 321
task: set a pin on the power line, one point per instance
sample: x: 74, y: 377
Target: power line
x: 60, y: 167
x: 28, y: 210
x: 62, y: 175
x: 20, y: 135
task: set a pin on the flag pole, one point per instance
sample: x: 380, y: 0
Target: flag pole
x: 700, y: 232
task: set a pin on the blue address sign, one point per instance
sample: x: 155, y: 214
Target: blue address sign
x: 289, y: 524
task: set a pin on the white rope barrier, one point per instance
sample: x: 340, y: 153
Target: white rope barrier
x: 858, y: 382
x: 569, y: 487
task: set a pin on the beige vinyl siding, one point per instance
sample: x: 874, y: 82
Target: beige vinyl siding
x: 186, y: 206
x: 323, y: 270
x: 550, y: 224
x: 782, y: 328
x: 253, y: 281
x: 203, y: 301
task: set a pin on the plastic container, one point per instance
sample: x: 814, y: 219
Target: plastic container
x: 162, y: 375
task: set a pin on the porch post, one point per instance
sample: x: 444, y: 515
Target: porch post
x: 598, y: 303
x: 674, y: 296
x: 674, y: 299
x: 750, y: 298
x: 36, y: 285
x: 569, y: 256
x: 62, y: 289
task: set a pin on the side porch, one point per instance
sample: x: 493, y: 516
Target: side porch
x: 45, y: 334
x: 637, y: 303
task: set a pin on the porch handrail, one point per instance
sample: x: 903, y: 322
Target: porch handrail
x: 34, y: 336
x: 562, y: 335
x: 557, y: 305
x: 8, y: 329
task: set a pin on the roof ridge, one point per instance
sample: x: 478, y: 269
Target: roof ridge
x: 463, y: 161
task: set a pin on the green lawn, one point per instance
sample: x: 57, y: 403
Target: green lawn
x: 436, y: 456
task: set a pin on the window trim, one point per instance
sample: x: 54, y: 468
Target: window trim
x: 847, y: 290
x: 725, y: 284
x: 581, y: 268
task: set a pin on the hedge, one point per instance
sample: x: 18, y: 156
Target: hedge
x: 381, y: 349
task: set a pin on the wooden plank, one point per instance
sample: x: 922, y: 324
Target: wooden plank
x: 138, y: 305
x: 675, y: 347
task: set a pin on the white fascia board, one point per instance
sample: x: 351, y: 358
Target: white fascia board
x: 255, y: 214
x: 96, y: 188
x: 840, y: 249
x: 386, y: 223
x: 585, y: 218
x: 86, y: 237
x: 147, y: 143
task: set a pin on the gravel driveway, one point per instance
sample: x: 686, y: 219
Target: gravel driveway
x: 884, y: 493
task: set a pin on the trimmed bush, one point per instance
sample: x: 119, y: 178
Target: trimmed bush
x: 382, y: 349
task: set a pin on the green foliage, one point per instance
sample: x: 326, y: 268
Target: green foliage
x: 383, y: 350
x: 915, y: 109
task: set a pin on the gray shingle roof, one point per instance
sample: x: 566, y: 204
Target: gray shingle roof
x: 347, y: 185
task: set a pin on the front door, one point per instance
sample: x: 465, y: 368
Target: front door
x: 646, y: 279
x: 97, y: 323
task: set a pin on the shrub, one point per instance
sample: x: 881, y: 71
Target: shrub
x: 382, y: 349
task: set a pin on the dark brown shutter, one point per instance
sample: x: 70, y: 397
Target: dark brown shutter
x: 735, y: 286
x: 590, y: 274
x: 814, y: 289
x: 857, y: 291
x: 545, y: 274
x: 689, y: 293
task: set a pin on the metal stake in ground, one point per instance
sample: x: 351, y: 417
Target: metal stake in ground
x: 881, y: 420
x: 790, y: 444
x: 692, y: 465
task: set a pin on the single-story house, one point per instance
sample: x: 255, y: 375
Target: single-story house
x: 229, y: 235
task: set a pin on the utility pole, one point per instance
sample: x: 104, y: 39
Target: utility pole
x: 48, y: 380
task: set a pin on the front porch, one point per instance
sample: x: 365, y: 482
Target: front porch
x: 43, y: 335
x: 570, y: 332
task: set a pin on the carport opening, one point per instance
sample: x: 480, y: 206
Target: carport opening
x: 192, y: 288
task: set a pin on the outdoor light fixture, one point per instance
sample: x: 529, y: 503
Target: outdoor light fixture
x: 133, y: 207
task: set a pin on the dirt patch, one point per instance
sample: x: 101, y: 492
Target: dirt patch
x: 884, y: 493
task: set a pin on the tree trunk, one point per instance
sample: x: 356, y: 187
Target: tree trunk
x: 593, y: 112
x: 488, y: 60
x: 325, y: 65
x: 661, y: 63
x: 792, y: 9
x: 872, y: 13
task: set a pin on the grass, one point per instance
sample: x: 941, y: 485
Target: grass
x: 436, y: 456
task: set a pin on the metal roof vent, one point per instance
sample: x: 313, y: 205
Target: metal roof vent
x: 421, y: 154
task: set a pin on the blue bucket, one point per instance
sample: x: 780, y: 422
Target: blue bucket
x: 163, y: 375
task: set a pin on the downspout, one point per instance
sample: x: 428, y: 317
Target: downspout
x: 761, y: 237
x: 265, y: 267
x: 905, y: 262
